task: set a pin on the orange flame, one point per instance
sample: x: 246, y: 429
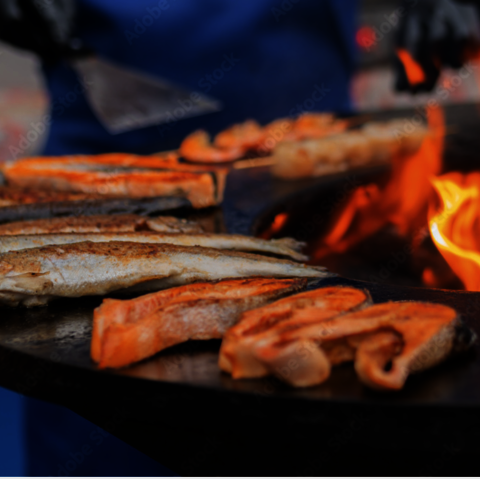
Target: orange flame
x: 402, y: 202
x: 414, y: 71
x: 277, y: 224
x: 455, y: 226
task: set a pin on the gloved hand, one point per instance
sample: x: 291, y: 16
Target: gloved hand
x: 40, y: 26
x: 434, y: 34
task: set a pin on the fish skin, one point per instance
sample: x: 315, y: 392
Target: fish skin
x: 118, y: 223
x: 125, y: 332
x: 284, y: 247
x: 34, y: 276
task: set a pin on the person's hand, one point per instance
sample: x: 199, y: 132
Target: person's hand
x: 40, y: 26
x: 433, y: 34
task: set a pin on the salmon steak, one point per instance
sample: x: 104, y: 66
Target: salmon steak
x: 113, y: 175
x: 33, y: 277
x: 125, y: 332
x: 237, y: 353
x: 117, y: 223
x: 282, y: 247
x: 385, y: 341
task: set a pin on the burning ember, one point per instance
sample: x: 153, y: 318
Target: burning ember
x: 455, y: 225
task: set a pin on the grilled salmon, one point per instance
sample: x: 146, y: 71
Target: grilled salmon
x: 34, y: 276
x: 127, y: 223
x: 386, y: 341
x: 237, y: 353
x: 127, y: 331
x: 283, y: 247
x: 134, y: 177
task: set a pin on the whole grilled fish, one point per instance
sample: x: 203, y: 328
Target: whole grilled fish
x: 284, y: 247
x: 34, y: 276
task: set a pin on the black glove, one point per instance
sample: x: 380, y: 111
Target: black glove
x: 435, y: 34
x: 40, y: 26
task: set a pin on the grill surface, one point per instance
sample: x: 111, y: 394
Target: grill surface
x: 181, y: 410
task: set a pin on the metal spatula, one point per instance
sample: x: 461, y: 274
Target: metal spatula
x: 125, y: 100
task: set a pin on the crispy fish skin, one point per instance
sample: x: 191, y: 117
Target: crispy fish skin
x: 118, y: 223
x: 34, y: 276
x: 125, y: 332
x: 237, y: 353
x: 284, y: 247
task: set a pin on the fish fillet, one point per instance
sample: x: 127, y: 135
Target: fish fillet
x: 139, y: 178
x: 408, y: 336
x: 127, y: 331
x: 126, y: 223
x: 34, y: 276
x: 237, y: 353
x: 284, y: 247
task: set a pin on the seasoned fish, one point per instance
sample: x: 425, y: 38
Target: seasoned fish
x: 127, y: 331
x: 135, y: 178
x: 100, y: 206
x: 237, y: 353
x: 11, y: 195
x: 284, y: 247
x: 34, y: 276
x: 407, y: 336
x: 127, y: 223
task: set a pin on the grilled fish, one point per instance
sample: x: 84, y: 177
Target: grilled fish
x: 283, y: 247
x: 237, y: 353
x: 34, y: 276
x: 127, y: 331
x: 135, y: 177
x: 127, y: 223
x: 410, y: 336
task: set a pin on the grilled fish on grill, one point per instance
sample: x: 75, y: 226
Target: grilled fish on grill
x: 410, y: 336
x: 127, y: 331
x: 34, y: 276
x: 237, y: 354
x: 127, y: 223
x: 283, y: 247
x: 386, y: 341
x: 135, y: 178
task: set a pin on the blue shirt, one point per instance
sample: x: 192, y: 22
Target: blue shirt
x: 262, y: 59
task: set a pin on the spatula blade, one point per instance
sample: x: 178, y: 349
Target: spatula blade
x: 125, y: 100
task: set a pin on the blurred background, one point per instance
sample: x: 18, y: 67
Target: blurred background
x: 23, y: 100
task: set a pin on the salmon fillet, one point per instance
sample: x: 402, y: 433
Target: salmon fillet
x: 237, y: 353
x: 128, y: 331
x: 386, y: 341
x: 130, y: 176
x: 118, y: 223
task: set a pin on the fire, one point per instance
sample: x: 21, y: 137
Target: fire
x: 278, y: 223
x: 455, y: 225
x: 414, y: 71
x: 402, y: 202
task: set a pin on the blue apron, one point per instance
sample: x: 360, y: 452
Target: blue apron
x: 262, y: 59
